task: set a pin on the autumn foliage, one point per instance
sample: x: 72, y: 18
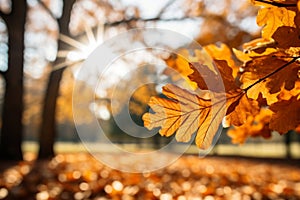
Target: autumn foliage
x: 255, y: 91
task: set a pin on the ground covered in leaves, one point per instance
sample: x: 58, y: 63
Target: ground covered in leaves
x: 79, y: 176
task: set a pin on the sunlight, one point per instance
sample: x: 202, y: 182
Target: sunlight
x: 84, y: 50
x: 80, y: 50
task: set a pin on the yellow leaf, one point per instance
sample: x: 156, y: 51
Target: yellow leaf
x: 272, y: 18
x: 222, y: 52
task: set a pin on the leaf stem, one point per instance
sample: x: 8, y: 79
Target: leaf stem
x: 271, y: 74
x: 273, y: 3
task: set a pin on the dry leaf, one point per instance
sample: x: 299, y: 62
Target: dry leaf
x: 208, y: 79
x: 286, y: 115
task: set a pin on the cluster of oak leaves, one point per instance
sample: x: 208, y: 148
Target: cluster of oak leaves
x: 257, y: 90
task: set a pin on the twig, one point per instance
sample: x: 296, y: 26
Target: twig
x: 274, y: 3
x: 165, y: 7
x: 271, y: 74
x: 47, y: 10
x: 3, y: 16
x: 127, y: 21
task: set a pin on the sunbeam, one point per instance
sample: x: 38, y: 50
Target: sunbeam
x: 80, y: 51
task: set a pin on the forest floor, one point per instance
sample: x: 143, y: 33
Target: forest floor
x: 80, y: 176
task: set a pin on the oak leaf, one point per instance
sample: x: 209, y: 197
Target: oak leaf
x: 273, y: 17
x: 178, y: 66
x: 219, y: 80
x: 280, y: 36
x: 222, y: 52
x: 257, y: 125
x: 286, y: 115
x: 186, y: 113
x: 243, y: 109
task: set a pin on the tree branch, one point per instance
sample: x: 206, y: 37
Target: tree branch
x: 127, y: 21
x: 165, y: 7
x: 3, y: 16
x: 273, y: 3
x: 47, y: 9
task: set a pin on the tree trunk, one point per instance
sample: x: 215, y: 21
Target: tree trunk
x: 11, y: 133
x: 287, y: 142
x: 48, y: 125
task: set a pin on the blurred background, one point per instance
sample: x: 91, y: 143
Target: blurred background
x: 59, y: 36
x: 43, y: 44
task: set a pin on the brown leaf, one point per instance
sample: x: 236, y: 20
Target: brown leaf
x: 217, y: 81
x: 286, y: 115
x: 179, y: 64
x: 186, y: 113
x: 293, y: 39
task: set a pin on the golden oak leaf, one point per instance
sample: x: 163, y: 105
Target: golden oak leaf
x: 208, y: 79
x: 180, y: 63
x: 280, y: 36
x: 260, y: 68
x: 286, y: 115
x: 186, y: 113
x: 243, y: 109
x: 257, y: 125
x: 273, y: 17
x: 222, y: 52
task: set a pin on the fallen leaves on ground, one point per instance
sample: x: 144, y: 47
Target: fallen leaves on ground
x: 79, y: 176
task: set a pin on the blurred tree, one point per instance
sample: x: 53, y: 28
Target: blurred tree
x: 11, y: 132
x: 47, y: 130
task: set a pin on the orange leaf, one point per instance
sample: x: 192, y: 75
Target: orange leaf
x: 245, y: 107
x: 286, y: 115
x: 257, y: 125
x: 186, y: 113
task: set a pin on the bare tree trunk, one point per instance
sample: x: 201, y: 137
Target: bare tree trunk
x: 11, y: 133
x: 287, y: 142
x: 48, y: 126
